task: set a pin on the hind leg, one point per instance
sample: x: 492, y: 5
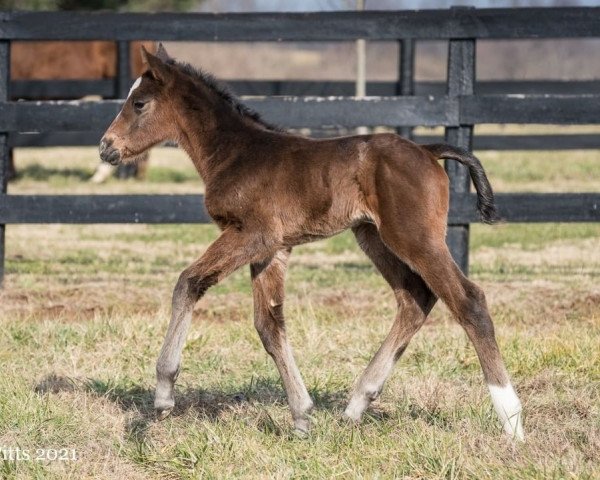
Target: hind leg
x: 415, y: 300
x: 429, y: 256
x: 268, y: 290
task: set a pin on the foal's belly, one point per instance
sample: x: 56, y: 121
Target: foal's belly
x: 301, y: 238
x: 319, y: 229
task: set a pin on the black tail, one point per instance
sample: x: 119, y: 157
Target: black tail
x: 485, y: 195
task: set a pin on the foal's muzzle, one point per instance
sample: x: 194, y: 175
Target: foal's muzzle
x: 108, y: 153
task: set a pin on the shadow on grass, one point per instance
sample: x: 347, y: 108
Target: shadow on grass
x: 209, y: 404
x: 139, y: 400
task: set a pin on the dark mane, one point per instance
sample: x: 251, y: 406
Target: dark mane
x: 224, y: 93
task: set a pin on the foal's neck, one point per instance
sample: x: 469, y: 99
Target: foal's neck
x: 212, y: 135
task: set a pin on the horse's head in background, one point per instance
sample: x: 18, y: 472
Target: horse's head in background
x: 146, y: 118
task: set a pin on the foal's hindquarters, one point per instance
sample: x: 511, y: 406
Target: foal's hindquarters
x: 408, y: 248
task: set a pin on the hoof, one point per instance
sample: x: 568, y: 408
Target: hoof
x: 300, y: 433
x: 351, y: 418
x: 162, y: 413
x: 163, y: 408
x: 302, y: 425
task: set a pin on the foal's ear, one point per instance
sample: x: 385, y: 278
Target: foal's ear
x: 161, y: 53
x: 157, y: 67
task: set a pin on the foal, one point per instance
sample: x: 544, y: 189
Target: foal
x: 269, y: 190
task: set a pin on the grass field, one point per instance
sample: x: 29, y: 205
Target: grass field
x: 84, y: 310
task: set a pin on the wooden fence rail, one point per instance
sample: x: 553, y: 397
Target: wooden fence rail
x: 109, y: 88
x: 583, y: 141
x: 513, y: 207
x: 449, y: 111
x: 106, y: 88
x: 456, y: 23
x: 462, y: 103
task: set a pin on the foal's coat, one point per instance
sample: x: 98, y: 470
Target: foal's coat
x: 268, y: 191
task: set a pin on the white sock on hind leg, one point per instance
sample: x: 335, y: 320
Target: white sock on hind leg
x: 508, y: 407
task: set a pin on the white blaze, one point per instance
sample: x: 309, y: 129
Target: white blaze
x: 135, y: 85
x: 508, y: 407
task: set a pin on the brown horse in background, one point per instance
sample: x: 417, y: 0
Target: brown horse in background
x: 61, y: 60
x: 269, y: 191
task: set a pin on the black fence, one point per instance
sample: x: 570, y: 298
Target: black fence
x: 109, y: 88
x: 457, y: 106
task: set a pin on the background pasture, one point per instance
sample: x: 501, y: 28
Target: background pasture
x: 84, y: 310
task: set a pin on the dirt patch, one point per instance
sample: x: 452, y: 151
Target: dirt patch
x: 75, y: 303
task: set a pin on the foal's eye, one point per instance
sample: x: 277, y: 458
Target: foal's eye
x: 138, y: 105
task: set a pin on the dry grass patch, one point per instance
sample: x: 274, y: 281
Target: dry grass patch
x: 88, y: 385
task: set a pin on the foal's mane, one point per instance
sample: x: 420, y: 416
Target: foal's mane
x: 224, y: 93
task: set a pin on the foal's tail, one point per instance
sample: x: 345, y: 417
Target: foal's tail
x: 485, y: 195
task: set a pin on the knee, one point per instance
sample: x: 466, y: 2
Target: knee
x: 192, y: 285
x: 413, y: 309
x: 476, y: 297
x: 406, y: 303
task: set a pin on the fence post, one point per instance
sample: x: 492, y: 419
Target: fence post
x: 406, y: 76
x: 123, y: 69
x: 123, y: 83
x: 4, y: 149
x: 461, y: 79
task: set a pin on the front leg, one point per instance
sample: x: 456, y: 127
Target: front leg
x: 268, y: 290
x: 230, y: 251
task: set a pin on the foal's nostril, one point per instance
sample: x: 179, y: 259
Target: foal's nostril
x: 111, y: 155
x: 108, y: 153
x: 104, y: 144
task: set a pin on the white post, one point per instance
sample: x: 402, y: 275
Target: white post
x: 361, y: 66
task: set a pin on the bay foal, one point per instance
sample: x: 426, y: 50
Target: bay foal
x: 269, y: 190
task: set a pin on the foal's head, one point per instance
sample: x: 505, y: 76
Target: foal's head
x: 166, y: 98
x: 147, y: 116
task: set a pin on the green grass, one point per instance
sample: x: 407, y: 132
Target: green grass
x: 530, y: 237
x: 85, y: 307
x: 551, y: 171
x: 164, y: 174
